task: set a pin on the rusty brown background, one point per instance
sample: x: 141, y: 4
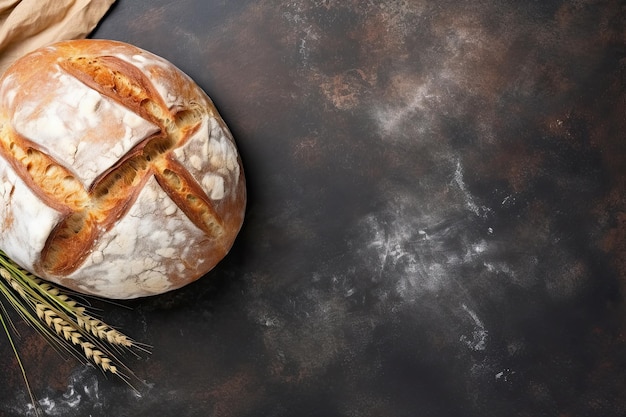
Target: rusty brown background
x: 436, y: 223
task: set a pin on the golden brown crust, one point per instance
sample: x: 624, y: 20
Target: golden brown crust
x: 179, y: 141
x: 52, y: 182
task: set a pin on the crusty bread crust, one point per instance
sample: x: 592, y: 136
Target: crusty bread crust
x: 133, y: 180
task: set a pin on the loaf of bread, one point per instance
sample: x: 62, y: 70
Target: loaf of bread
x: 118, y: 177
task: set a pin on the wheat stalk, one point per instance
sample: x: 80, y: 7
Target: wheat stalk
x: 102, y: 330
x: 84, y: 320
x: 61, y: 320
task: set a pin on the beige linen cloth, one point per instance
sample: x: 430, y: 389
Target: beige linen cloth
x: 26, y: 25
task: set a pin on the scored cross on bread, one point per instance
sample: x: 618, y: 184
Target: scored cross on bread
x: 139, y: 145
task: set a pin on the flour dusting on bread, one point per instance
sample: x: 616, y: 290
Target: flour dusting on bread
x: 133, y: 176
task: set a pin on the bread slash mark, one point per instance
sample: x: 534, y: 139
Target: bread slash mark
x: 113, y: 193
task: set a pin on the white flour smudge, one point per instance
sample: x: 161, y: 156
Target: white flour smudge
x: 414, y: 248
x: 478, y: 340
x: 504, y: 375
x: 408, y: 259
x: 418, y: 105
x: 469, y: 199
x: 83, y: 388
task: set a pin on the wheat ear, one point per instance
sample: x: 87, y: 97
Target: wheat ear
x: 62, y: 320
x: 84, y: 320
x: 70, y: 333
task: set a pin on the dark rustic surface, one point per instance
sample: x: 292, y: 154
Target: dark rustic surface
x: 436, y: 222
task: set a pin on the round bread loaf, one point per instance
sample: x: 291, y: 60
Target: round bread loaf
x: 118, y: 177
